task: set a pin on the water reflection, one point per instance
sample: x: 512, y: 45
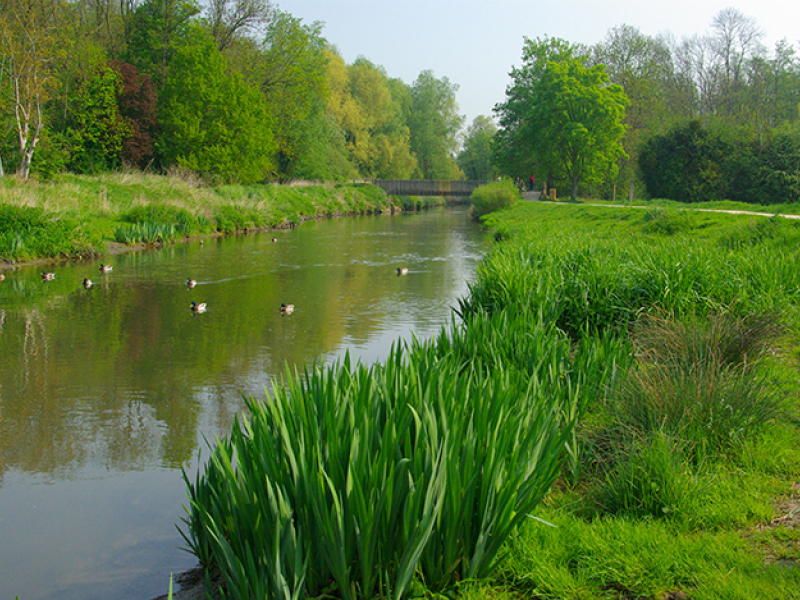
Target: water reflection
x: 106, y: 391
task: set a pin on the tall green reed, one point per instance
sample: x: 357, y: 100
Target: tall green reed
x: 366, y: 477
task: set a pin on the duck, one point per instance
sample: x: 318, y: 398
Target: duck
x: 287, y: 309
x: 198, y: 307
x: 87, y: 283
x: 402, y: 271
x: 2, y: 276
x: 48, y: 276
x: 105, y: 268
x: 274, y: 239
x: 191, y: 283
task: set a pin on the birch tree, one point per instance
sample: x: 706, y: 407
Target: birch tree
x: 26, y: 41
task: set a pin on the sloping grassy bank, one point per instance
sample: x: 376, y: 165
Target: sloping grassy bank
x: 683, y: 478
x: 615, y: 417
x: 75, y: 215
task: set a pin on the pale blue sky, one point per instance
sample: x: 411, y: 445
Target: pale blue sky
x: 475, y: 44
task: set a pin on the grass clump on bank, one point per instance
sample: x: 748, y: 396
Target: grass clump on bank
x: 375, y: 478
x: 81, y: 215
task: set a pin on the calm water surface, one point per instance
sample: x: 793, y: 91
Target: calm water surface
x: 105, y: 393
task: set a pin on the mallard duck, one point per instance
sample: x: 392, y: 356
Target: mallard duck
x: 87, y: 283
x: 402, y: 271
x: 105, y: 268
x: 274, y: 239
x: 48, y: 276
x: 191, y: 283
x: 198, y: 307
x: 287, y: 309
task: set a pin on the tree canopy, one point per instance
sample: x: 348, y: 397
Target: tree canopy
x: 567, y: 116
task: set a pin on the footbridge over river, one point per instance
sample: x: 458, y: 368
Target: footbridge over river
x: 427, y: 187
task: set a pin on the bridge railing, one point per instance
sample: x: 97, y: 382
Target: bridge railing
x: 427, y: 187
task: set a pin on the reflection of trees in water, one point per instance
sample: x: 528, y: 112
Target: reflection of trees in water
x: 123, y: 376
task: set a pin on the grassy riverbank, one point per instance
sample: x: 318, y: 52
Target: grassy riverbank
x: 74, y: 216
x: 616, y: 418
x: 684, y: 478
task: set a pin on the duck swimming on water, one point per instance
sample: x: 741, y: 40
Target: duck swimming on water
x: 105, y: 268
x: 287, y: 309
x: 198, y: 307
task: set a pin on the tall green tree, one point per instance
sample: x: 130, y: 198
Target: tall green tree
x: 434, y: 124
x: 96, y: 130
x: 513, y: 141
x: 475, y: 158
x: 211, y: 121
x: 573, y: 116
x: 293, y: 79
x: 157, y: 30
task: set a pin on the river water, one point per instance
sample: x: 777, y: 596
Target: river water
x: 107, y: 392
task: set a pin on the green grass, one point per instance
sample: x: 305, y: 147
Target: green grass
x: 80, y: 215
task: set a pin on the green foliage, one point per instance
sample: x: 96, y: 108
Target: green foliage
x: 213, y: 122
x: 780, y: 167
x: 30, y: 232
x: 96, y: 130
x: 433, y: 124
x: 365, y: 477
x: 566, y: 116
x: 493, y: 196
x: 475, y: 159
x: 156, y: 29
x: 686, y: 164
x: 292, y: 76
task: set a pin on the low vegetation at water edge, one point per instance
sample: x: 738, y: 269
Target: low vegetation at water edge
x: 612, y: 415
x: 74, y: 215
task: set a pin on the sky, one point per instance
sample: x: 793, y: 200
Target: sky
x: 475, y: 44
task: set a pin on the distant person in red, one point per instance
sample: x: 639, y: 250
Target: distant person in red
x: 533, y: 181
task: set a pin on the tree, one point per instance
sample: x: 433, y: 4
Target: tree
x: 138, y: 107
x: 27, y: 41
x: 157, y: 29
x: 372, y: 120
x: 475, y: 158
x: 97, y: 130
x: 434, y: 123
x: 213, y: 122
x: 512, y: 155
x: 643, y: 66
x: 293, y: 77
x: 687, y: 164
x: 228, y: 19
x: 572, y: 117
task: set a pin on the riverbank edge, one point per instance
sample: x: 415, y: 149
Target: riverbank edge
x: 147, y: 191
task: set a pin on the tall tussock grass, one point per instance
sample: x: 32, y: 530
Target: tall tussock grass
x: 352, y: 481
x: 698, y: 380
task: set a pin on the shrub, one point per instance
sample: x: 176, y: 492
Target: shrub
x: 493, y: 196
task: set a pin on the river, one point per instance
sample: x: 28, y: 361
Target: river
x: 107, y: 392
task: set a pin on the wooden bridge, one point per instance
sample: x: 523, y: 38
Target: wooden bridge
x: 426, y: 187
